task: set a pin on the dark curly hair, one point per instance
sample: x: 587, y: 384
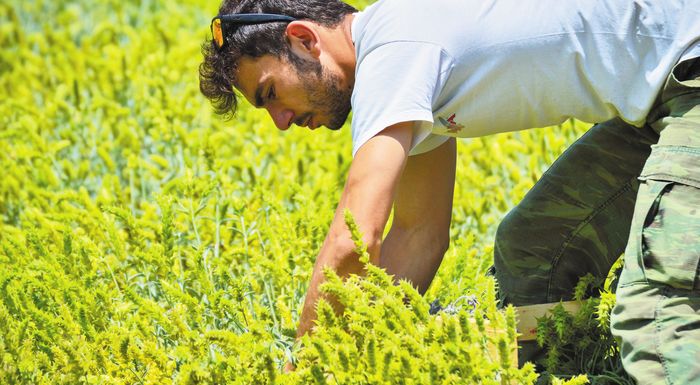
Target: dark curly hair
x: 217, y: 71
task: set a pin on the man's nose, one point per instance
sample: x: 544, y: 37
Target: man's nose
x: 282, y: 117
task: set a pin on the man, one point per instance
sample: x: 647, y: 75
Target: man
x: 418, y: 73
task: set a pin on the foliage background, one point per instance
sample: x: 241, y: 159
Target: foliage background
x: 146, y: 241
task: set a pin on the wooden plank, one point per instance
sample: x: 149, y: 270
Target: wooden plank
x: 493, y: 332
x: 527, y: 317
x: 493, y: 349
x: 526, y: 327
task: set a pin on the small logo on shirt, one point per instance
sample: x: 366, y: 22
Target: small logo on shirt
x: 451, y: 125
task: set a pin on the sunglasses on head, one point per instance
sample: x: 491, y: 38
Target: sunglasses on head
x: 227, y: 24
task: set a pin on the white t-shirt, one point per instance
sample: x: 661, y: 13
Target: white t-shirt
x: 470, y: 68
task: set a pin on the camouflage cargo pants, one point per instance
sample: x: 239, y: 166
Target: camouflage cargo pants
x: 577, y: 220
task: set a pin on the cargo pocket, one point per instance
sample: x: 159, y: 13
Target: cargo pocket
x: 646, y: 206
x: 664, y: 243
x: 670, y: 238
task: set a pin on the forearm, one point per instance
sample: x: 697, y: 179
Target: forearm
x: 308, y: 313
x: 420, y: 232
x: 341, y: 257
x: 413, y: 254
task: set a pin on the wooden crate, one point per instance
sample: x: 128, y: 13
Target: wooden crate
x: 527, y: 317
x: 526, y: 323
x: 526, y: 326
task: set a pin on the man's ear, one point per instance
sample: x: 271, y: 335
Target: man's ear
x: 303, y: 39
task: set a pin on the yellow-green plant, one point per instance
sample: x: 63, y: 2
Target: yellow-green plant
x: 145, y: 241
x: 581, y: 342
x: 386, y: 336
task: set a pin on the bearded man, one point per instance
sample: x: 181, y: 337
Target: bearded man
x: 418, y: 73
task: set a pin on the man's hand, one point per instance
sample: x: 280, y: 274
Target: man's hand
x: 369, y: 194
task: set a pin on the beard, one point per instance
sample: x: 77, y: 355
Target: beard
x: 326, y: 96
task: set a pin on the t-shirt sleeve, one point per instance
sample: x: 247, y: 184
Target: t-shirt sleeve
x: 399, y: 82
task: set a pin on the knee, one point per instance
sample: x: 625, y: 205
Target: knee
x: 504, y: 254
x: 506, y: 236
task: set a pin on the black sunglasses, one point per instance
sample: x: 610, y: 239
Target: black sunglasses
x: 225, y: 24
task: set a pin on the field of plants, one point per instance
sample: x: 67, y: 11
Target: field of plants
x: 144, y: 240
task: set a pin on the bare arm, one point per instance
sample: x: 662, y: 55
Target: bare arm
x: 419, y: 234
x: 369, y: 193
